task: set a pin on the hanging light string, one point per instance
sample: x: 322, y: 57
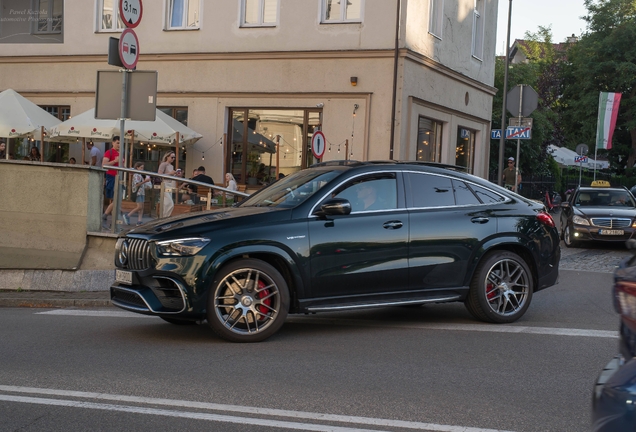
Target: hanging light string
x: 219, y: 142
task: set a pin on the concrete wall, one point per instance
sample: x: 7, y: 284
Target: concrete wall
x: 45, y: 213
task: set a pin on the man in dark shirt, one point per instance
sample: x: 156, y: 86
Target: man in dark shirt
x: 200, y: 177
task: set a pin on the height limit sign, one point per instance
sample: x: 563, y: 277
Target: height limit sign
x: 130, y: 12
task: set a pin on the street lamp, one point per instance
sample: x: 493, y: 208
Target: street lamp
x: 502, y: 139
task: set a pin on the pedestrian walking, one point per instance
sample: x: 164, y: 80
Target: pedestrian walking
x: 112, y: 158
x: 95, y: 157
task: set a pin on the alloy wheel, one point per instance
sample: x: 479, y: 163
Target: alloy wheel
x: 247, y: 301
x: 507, y: 287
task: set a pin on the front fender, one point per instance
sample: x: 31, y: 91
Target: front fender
x: 232, y: 252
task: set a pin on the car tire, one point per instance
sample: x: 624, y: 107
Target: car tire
x: 177, y: 321
x: 567, y: 238
x: 501, y: 288
x: 248, y: 301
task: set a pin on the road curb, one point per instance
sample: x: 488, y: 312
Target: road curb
x: 53, y: 303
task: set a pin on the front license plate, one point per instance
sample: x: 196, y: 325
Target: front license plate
x: 611, y: 232
x: 123, y: 276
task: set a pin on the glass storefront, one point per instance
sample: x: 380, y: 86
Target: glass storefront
x: 264, y: 143
x: 465, y: 149
x: 429, y: 140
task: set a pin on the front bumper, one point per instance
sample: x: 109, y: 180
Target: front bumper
x: 593, y: 233
x: 153, y: 294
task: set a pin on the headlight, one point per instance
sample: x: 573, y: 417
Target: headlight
x: 181, y: 247
x: 580, y: 220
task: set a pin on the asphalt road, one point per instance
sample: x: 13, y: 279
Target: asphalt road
x: 427, y: 368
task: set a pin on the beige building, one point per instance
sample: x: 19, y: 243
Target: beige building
x: 257, y: 77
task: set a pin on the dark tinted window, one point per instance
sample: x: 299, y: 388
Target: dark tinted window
x: 486, y: 195
x: 370, y: 193
x: 463, y: 194
x: 431, y: 191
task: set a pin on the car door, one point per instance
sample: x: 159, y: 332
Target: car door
x: 364, y: 252
x: 447, y: 225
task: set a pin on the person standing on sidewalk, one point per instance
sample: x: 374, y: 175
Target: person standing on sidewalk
x: 95, y: 158
x: 167, y: 168
x: 112, y: 159
x: 509, y: 175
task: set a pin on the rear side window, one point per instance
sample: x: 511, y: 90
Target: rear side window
x: 431, y: 191
x: 463, y: 194
x: 486, y: 195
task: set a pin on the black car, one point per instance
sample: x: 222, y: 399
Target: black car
x: 598, y: 213
x: 338, y: 236
x: 614, y: 397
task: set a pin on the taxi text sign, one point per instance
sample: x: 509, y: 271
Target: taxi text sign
x: 130, y: 12
x: 318, y: 144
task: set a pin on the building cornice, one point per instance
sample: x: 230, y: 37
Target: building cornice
x: 444, y: 70
x: 171, y: 57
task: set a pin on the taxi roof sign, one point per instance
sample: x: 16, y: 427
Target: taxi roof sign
x: 601, y: 183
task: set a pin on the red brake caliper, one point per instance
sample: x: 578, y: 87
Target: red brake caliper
x: 491, y: 292
x: 262, y: 309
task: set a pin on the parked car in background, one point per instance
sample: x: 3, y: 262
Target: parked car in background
x: 598, y: 213
x: 342, y: 236
x: 614, y: 398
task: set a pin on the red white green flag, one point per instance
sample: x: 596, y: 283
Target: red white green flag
x: 607, y: 114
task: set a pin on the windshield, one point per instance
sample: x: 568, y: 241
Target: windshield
x: 292, y: 190
x: 602, y: 198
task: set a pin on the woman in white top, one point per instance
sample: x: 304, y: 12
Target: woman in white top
x: 230, y: 183
x: 167, y: 168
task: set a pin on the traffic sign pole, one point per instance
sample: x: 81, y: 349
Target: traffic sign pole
x: 518, y: 162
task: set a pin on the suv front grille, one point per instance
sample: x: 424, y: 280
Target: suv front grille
x: 611, y: 222
x: 139, y: 256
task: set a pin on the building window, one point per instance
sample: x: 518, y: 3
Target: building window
x: 264, y: 143
x: 259, y: 13
x: 339, y: 11
x: 48, y: 16
x: 436, y: 18
x: 429, y: 140
x: 62, y: 112
x: 183, y: 14
x: 109, y: 16
x: 465, y: 149
x: 478, y: 29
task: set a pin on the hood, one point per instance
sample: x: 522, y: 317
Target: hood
x: 616, y: 212
x: 204, y: 219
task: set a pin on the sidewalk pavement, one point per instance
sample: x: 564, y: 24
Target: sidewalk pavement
x: 54, y: 299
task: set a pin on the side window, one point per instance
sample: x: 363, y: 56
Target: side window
x: 370, y: 193
x: 485, y: 195
x: 463, y: 194
x: 431, y: 191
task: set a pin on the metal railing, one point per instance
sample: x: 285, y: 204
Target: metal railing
x: 208, y: 198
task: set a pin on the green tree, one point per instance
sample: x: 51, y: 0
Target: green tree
x: 604, y: 59
x: 542, y: 71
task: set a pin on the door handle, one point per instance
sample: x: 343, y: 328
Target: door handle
x: 480, y: 220
x: 392, y: 225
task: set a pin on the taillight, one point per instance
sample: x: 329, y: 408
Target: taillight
x: 545, y: 219
x: 625, y: 301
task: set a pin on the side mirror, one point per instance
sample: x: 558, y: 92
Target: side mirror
x: 334, y: 206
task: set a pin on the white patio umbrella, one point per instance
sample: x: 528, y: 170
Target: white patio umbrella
x: 565, y: 156
x: 19, y: 117
x: 161, y: 131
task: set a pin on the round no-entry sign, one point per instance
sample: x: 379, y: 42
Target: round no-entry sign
x: 130, y: 12
x: 318, y: 144
x: 129, y: 48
